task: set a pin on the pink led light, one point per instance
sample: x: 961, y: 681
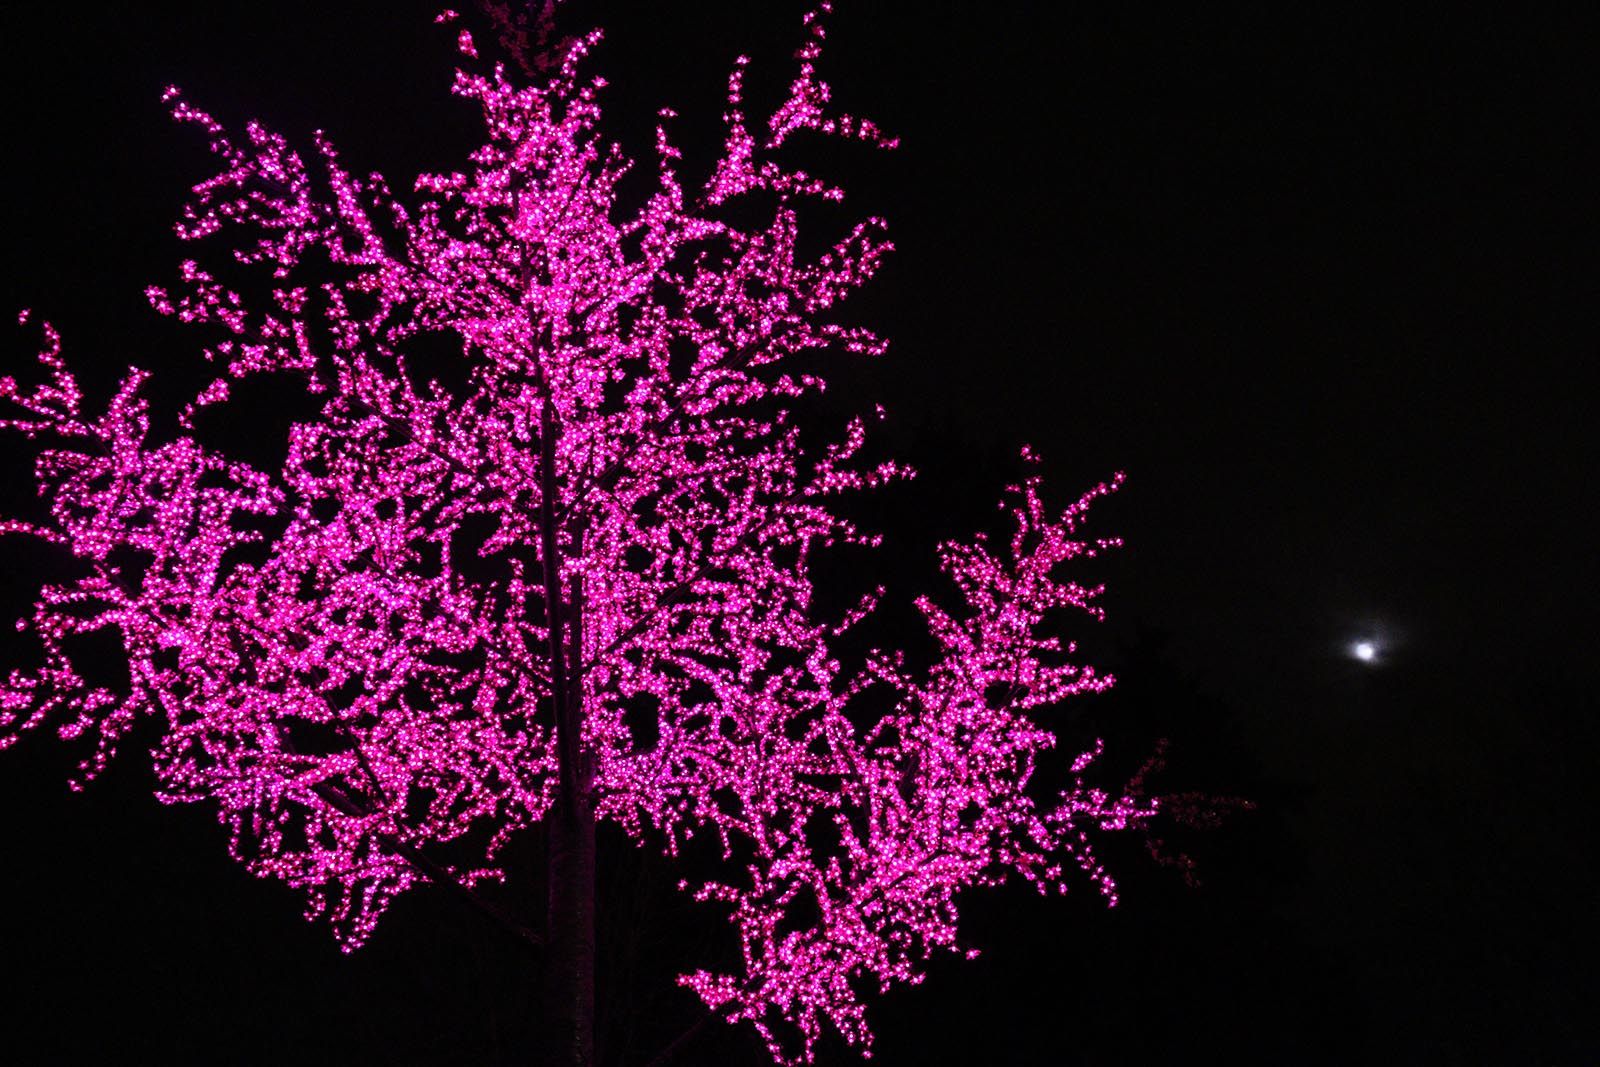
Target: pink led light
x: 346, y: 705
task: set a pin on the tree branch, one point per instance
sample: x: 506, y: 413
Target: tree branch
x: 683, y: 1040
x: 433, y: 871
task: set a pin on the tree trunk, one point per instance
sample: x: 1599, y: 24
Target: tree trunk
x: 570, y: 943
x: 569, y: 917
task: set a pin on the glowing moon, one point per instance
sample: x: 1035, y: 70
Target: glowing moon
x: 1365, y: 651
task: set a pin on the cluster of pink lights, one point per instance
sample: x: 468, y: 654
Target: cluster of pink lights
x: 347, y: 705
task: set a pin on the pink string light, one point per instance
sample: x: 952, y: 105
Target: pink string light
x: 343, y: 702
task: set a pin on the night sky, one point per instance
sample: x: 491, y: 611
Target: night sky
x: 1321, y: 284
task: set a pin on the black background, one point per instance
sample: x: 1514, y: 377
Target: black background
x: 1322, y: 284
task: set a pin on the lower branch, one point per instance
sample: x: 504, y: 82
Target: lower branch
x: 683, y: 1040
x: 433, y: 871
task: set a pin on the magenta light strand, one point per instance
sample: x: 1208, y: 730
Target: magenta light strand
x: 343, y: 702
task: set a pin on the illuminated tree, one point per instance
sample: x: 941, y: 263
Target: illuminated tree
x: 637, y: 638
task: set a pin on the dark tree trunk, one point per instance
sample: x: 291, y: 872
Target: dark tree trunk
x: 569, y: 916
x: 570, y: 946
